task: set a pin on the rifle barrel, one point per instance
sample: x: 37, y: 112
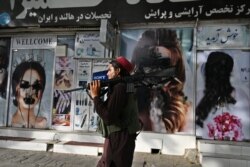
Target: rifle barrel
x: 169, y: 73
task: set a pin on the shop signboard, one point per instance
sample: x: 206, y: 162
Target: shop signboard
x: 25, y: 13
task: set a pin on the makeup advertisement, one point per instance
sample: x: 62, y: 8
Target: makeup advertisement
x: 88, y: 45
x: 166, y: 107
x: 98, y: 66
x: 31, y: 88
x: 223, y: 84
x: 83, y: 102
x: 63, y: 80
x: 223, y: 95
x: 85, y: 117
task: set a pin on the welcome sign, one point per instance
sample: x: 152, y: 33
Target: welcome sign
x: 34, y: 42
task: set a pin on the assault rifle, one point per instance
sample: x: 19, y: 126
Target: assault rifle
x: 138, y: 79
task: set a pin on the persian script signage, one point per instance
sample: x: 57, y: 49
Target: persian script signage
x: 23, y: 13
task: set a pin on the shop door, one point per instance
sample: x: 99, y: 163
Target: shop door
x: 31, y: 78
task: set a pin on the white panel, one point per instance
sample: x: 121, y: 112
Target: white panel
x: 94, y: 138
x: 146, y: 145
x: 23, y: 145
x: 246, y: 150
x: 214, y: 162
x: 39, y: 134
x: 71, y: 149
x: 177, y: 144
x: 238, y: 163
x: 147, y: 141
x: 204, y: 147
x: 228, y: 149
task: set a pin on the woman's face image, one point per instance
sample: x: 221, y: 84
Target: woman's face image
x: 161, y: 108
x: 29, y: 89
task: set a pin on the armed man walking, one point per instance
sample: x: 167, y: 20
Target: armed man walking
x: 119, y: 121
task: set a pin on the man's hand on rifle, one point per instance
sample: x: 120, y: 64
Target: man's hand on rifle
x: 95, y: 88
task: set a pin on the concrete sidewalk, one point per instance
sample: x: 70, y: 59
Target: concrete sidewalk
x: 24, y: 158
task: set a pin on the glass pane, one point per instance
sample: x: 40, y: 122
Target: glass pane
x: 4, y: 63
x: 167, y: 107
x: 31, y: 88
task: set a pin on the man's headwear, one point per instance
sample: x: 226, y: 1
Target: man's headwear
x: 125, y: 64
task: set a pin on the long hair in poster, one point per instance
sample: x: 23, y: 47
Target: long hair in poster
x: 166, y: 108
x: 30, y: 104
x: 223, y: 95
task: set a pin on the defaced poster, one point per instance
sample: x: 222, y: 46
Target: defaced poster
x: 223, y: 95
x: 167, y: 107
x: 222, y: 106
x: 31, y: 86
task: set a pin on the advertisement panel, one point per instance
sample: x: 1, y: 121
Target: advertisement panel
x: 31, y: 87
x: 86, y: 118
x: 63, y: 80
x: 88, y: 45
x: 167, y: 107
x: 223, y: 95
x: 83, y: 102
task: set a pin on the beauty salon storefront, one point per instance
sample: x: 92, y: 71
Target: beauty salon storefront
x: 67, y: 43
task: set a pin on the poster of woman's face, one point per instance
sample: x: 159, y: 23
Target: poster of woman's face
x: 31, y: 88
x: 167, y: 107
x: 223, y: 95
x: 4, y: 63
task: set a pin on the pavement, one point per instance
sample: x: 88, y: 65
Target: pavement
x: 24, y: 158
